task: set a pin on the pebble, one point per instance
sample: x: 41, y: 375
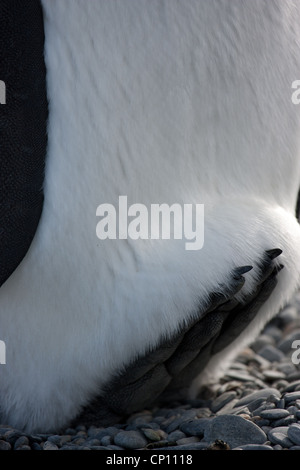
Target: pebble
x: 225, y: 428
x: 196, y: 427
x: 48, y: 445
x: 253, y: 447
x: 274, y: 414
x: 4, y: 445
x: 222, y: 400
x: 286, y: 344
x: 291, y: 396
x: 271, y: 353
x: 176, y: 435
x: 279, y: 435
x: 294, y: 433
x: 130, y: 439
x: 263, y: 394
x: 22, y: 440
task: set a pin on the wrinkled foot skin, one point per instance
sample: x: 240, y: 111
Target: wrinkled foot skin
x: 166, y: 373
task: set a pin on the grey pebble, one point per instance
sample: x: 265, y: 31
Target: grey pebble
x: 78, y: 441
x: 281, y: 403
x: 36, y: 446
x: 286, y: 344
x: 195, y: 427
x: 292, y: 409
x: 292, y: 387
x: 261, y: 422
x: 272, y: 375
x: 55, y: 439
x: 151, y: 434
x: 48, y: 445
x: 263, y: 407
x: 284, y: 421
x: 291, y: 396
x: 234, y: 430
x: 279, y: 435
x: 130, y: 439
x: 274, y: 332
x: 176, y: 435
x: 294, y: 433
x: 100, y: 433
x: 294, y: 376
x: 222, y: 400
x: 105, y: 441
x: 22, y: 440
x: 271, y: 353
x: 187, y: 440
x: 254, y: 447
x: 12, y: 435
x: 261, y: 341
x: 274, y: 414
x: 4, y: 445
x: 186, y: 416
x: 264, y: 394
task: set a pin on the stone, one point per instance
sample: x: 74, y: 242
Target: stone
x: 151, y: 434
x: 176, y: 435
x: 4, y: 445
x: 48, y: 445
x: 292, y: 396
x: 22, y: 440
x: 187, y: 440
x: 234, y: 430
x: 286, y: 344
x: 259, y: 394
x: 222, y: 400
x: 195, y: 427
x: 130, y: 439
x: 279, y: 435
x: 274, y: 414
x: 271, y: 353
x: 294, y: 433
x: 253, y: 447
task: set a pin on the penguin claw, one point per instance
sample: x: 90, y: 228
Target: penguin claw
x: 242, y: 270
x: 274, y: 253
x: 166, y: 372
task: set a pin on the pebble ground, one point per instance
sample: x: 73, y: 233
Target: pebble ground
x: 256, y: 406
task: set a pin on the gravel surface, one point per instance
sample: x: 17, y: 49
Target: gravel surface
x: 256, y: 406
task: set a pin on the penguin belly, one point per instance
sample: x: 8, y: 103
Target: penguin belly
x: 163, y: 102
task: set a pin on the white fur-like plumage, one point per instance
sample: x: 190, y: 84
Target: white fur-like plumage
x: 165, y: 101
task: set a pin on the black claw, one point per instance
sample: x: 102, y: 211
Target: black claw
x: 241, y: 270
x: 274, y: 253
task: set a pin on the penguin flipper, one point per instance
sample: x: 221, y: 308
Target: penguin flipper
x: 23, y: 121
x: 166, y: 373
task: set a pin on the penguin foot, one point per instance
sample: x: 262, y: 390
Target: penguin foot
x: 166, y: 373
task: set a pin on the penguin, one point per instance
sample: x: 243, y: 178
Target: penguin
x: 164, y: 102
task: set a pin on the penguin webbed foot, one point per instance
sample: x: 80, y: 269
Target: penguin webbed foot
x: 166, y: 372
